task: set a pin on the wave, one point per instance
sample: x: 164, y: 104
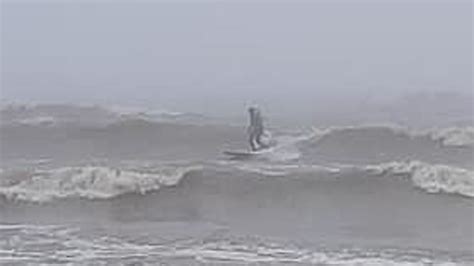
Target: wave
x: 91, y: 182
x: 273, y: 253
x: 286, y: 148
x: 53, y: 114
x: 378, y: 144
x: 91, y: 115
x: 38, y: 121
x: 453, y: 136
x: 101, y: 182
x: 431, y: 178
x: 279, y: 170
x: 449, y: 136
x: 157, y: 115
x: 74, y: 248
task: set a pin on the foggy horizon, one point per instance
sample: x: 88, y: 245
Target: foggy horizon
x: 222, y: 56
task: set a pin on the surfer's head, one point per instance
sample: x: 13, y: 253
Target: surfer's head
x: 253, y: 109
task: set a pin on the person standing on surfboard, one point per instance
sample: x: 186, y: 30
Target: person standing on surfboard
x: 256, y: 130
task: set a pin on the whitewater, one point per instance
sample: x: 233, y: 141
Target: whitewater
x: 82, y: 185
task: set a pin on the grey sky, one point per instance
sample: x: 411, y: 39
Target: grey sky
x: 206, y: 56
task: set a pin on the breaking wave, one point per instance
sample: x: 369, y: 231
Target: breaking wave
x: 454, y: 136
x: 91, y: 182
x: 431, y: 178
x: 101, y: 182
x: 286, y: 148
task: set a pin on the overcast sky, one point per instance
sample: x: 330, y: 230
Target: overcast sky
x: 210, y: 56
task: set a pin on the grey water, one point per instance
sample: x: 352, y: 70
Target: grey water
x: 148, y: 190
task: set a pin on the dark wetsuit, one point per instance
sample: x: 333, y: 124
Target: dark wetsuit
x: 256, y: 129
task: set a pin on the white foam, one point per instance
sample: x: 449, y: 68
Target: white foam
x: 432, y: 178
x: 92, y: 182
x: 320, y: 132
x: 285, y: 169
x: 73, y: 248
x: 286, y: 148
x: 453, y: 136
x: 37, y: 120
x: 140, y: 111
x: 262, y: 169
x: 449, y: 136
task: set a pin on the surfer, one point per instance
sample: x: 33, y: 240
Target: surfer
x: 260, y: 140
x: 256, y: 129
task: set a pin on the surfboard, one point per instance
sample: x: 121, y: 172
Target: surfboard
x: 245, y: 153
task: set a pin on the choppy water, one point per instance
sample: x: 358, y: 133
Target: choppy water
x: 141, y: 191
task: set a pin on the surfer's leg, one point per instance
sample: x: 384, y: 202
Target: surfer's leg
x: 258, y: 139
x: 253, y: 146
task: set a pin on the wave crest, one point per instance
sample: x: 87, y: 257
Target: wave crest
x: 454, y: 136
x: 92, y: 182
x: 449, y: 137
x: 431, y: 178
